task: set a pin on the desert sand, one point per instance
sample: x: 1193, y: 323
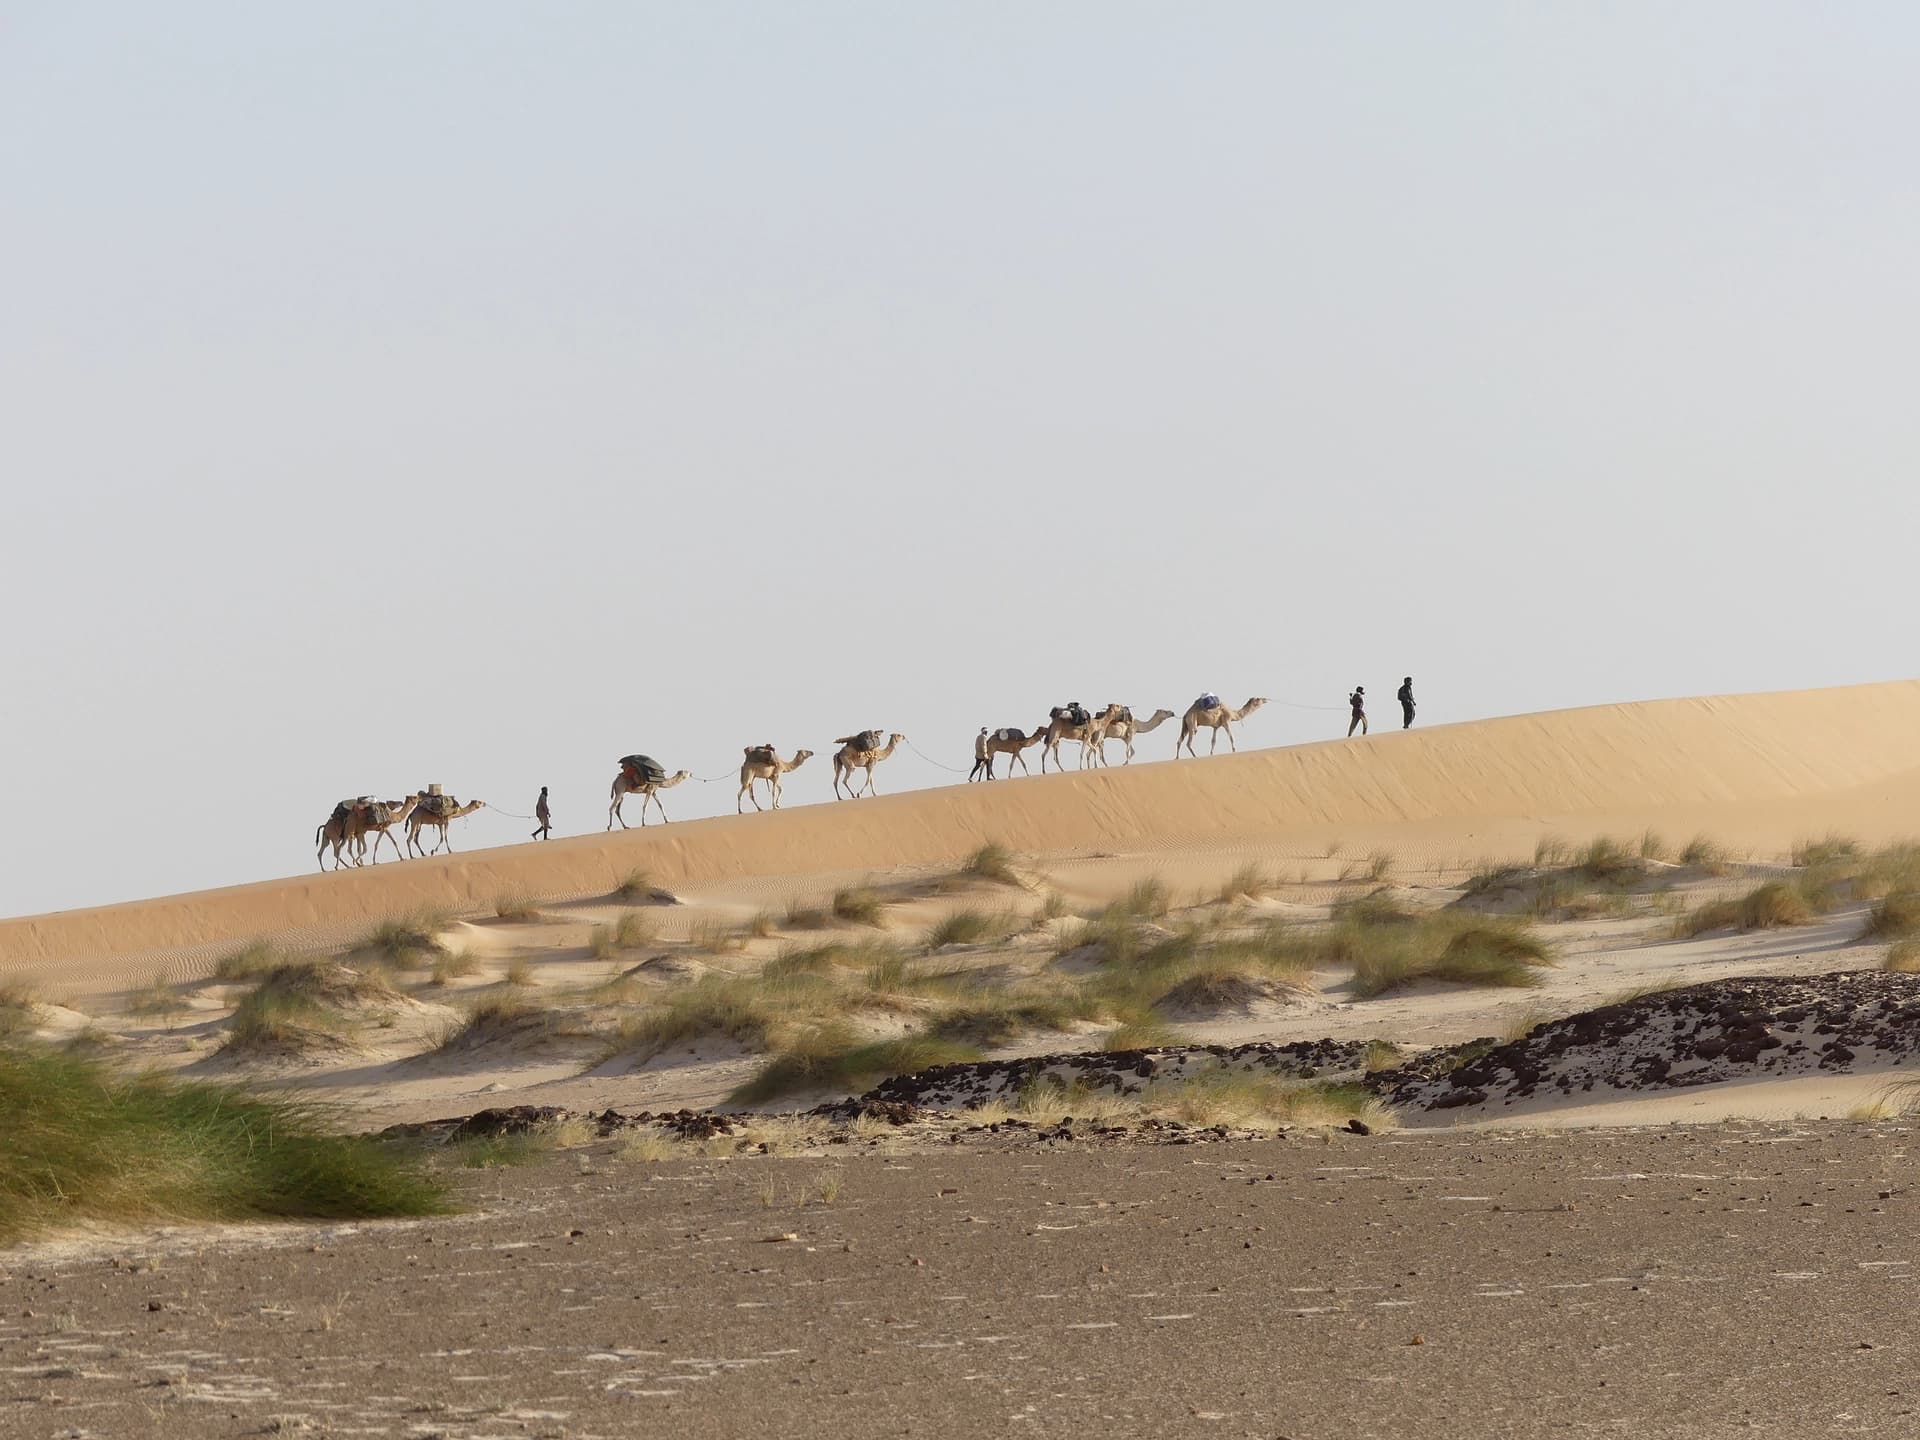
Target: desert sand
x: 1415, y: 812
x: 1572, y: 1251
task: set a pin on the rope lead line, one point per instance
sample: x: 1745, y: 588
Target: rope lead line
x: 951, y: 770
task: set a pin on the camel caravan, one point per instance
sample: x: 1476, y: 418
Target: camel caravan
x: 353, y: 833
x: 346, y: 830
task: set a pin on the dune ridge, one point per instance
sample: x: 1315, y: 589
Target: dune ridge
x: 1757, y: 770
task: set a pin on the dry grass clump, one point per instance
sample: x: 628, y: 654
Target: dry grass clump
x: 158, y: 998
x: 760, y: 927
x: 629, y: 932
x: 1892, y: 870
x: 993, y: 862
x: 1703, y: 852
x: 19, y: 1007
x: 974, y: 927
x: 1149, y: 899
x: 1829, y: 849
x: 497, y: 1019
x: 1770, y: 906
x: 1652, y: 845
x: 991, y: 1015
x: 752, y: 1013
x: 1491, y: 877
x: 1263, y: 1101
x: 511, y: 905
x: 1249, y: 882
x: 802, y: 916
x: 1608, y: 862
x: 1893, y: 917
x: 1487, y: 953
x: 859, y: 905
x: 302, y: 1006
x: 410, y: 939
x: 830, y: 1056
x: 86, y: 1143
x: 250, y: 962
x: 518, y: 972
x: 452, y: 965
x: 1551, y: 852
x: 1904, y: 956
x: 1146, y: 1034
x: 638, y: 889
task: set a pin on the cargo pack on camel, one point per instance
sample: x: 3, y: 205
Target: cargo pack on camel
x: 644, y: 776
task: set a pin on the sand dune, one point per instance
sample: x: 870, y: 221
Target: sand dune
x: 1757, y: 771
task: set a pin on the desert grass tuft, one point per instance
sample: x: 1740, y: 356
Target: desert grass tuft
x: 1139, y: 1035
x: 802, y: 916
x: 1249, y: 882
x: 1703, y: 852
x: 630, y: 932
x: 300, y: 1006
x: 973, y: 927
x: 994, y: 862
x: 494, y: 1018
x: 1903, y: 955
x: 1653, y: 846
x: 410, y: 939
x: 1149, y: 899
x: 637, y: 888
x: 1894, y: 917
x: 19, y: 1007
x: 1607, y: 861
x: 829, y: 1056
x: 250, y: 962
x: 511, y: 905
x: 452, y: 965
x: 1828, y: 849
x: 203, y: 1152
x: 158, y: 998
x: 1770, y: 906
x: 859, y: 905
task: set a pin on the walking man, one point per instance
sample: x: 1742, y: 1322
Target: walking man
x: 1406, y: 703
x: 543, y: 815
x: 982, y: 761
x: 1358, y: 700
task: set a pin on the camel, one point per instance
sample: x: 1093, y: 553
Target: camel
x: 333, y: 831
x: 1010, y: 741
x: 1116, y: 722
x: 377, y: 818
x: 1060, y: 727
x: 859, y: 752
x: 441, y: 816
x: 1218, y: 718
x: 648, y: 789
x: 763, y: 762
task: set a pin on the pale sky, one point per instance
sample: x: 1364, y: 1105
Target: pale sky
x: 474, y: 392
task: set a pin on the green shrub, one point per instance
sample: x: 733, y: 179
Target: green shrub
x: 85, y: 1144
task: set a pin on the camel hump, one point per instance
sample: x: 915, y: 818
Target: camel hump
x: 1009, y: 732
x: 761, y: 753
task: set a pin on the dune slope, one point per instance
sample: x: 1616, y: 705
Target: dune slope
x: 1756, y: 770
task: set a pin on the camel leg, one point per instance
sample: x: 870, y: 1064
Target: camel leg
x: 1213, y: 740
x: 613, y: 811
x: 746, y: 790
x: 1023, y: 764
x: 1230, y: 745
x: 773, y: 792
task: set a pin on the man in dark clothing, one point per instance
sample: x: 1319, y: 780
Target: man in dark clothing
x: 1358, y: 700
x: 543, y: 815
x: 1406, y: 702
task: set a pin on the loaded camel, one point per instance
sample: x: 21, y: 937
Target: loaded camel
x: 439, y: 811
x: 377, y: 818
x: 1061, y: 725
x: 640, y: 775
x: 859, y: 752
x: 763, y: 762
x: 1116, y: 722
x: 1215, y: 717
x: 1009, y: 740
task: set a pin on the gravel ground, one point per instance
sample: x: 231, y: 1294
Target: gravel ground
x: 1678, y: 1282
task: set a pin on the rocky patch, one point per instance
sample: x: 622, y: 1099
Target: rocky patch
x: 1124, y: 1072
x: 1752, y: 1028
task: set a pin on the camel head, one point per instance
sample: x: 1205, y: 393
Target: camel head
x: 1253, y: 704
x: 1160, y: 715
x: 799, y: 757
